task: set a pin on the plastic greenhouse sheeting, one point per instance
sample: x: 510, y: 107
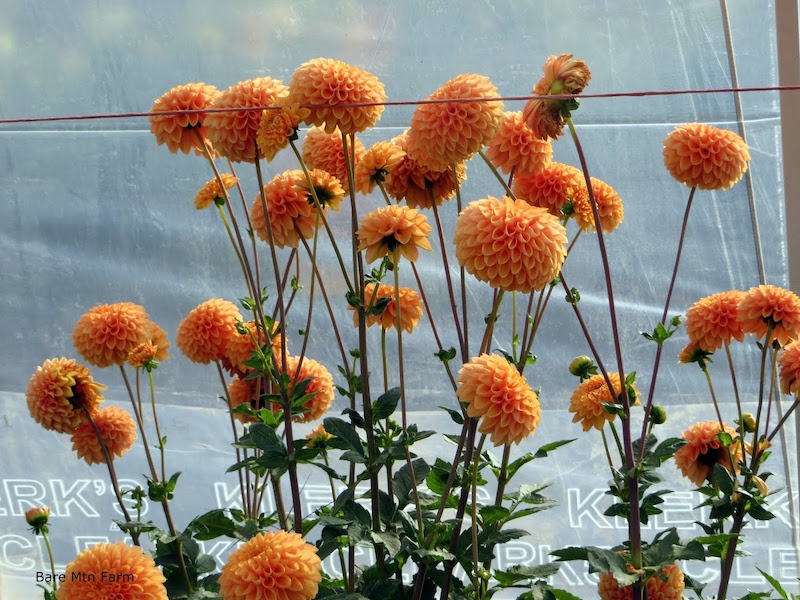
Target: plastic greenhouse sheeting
x: 95, y: 212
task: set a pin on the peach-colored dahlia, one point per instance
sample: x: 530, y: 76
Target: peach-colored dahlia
x: 767, y: 305
x: 58, y: 392
x: 142, y: 354
x: 209, y: 193
x: 515, y: 147
x: 562, y: 75
x: 107, y: 333
x: 117, y: 429
x: 393, y: 227
x: 712, y: 322
x: 789, y: 362
x: 549, y: 187
x: 443, y: 134
x: 234, y: 133
x: 325, y: 151
x: 496, y: 393
x: 609, y: 207
x: 117, y: 571
x: 318, y: 436
x: 704, y: 156
x: 510, y: 244
x: 703, y: 450
x: 321, y: 386
x: 273, y: 565
x: 159, y: 339
x: 587, y: 401
x: 204, y: 334
x: 692, y: 353
x: 380, y: 160
x: 179, y: 132
x: 241, y: 346
x: 278, y: 126
x: 657, y: 589
x: 242, y: 391
x: 410, y: 307
x: 37, y: 517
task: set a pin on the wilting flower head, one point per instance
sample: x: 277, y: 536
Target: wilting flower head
x: 321, y: 386
x: 318, y: 437
x: 97, y: 572
x: 177, y: 131
x: 278, y: 126
x: 142, y: 355
x: 587, y: 401
x: 789, y: 361
x: 117, y: 429
x: 204, y: 334
x: 37, y: 518
x: 376, y: 164
x: 451, y: 132
x: 106, y: 334
x: 58, y: 392
x: 159, y: 339
x: 233, y: 134
x: 703, y: 450
x: 550, y: 188
x: 768, y: 305
x: 510, y: 244
x: 609, y: 207
x: 712, y: 322
x: 328, y: 82
x: 705, y: 156
x: 393, y: 227
x: 410, y: 307
x: 657, y: 589
x: 273, y: 565
x: 496, y: 392
x: 515, y: 147
x: 562, y: 75
x: 209, y: 193
x: 325, y: 151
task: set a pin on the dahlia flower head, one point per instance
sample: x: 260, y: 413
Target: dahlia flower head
x: 789, y: 363
x: 410, y: 307
x: 204, y: 333
x: 657, y: 589
x: 587, y: 401
x: 516, y: 148
x: 770, y: 308
x: 106, y: 334
x: 180, y: 131
x: 211, y: 191
x: 609, y: 207
x: 712, y: 322
x: 377, y: 162
x: 393, y: 228
x: 278, y: 126
x: 117, y: 430
x: 321, y: 386
x: 703, y: 450
x: 550, y: 187
x: 706, y: 157
x: 325, y: 151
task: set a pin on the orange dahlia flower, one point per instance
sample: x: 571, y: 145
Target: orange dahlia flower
x: 234, y: 133
x: 158, y: 337
x: 58, y: 392
x: 278, y: 126
x: 142, y: 354
x: 106, y: 334
x: 657, y: 589
x: 376, y: 164
x: 789, y: 362
x: 209, y: 193
x: 712, y: 322
x: 410, y: 307
x: 496, y: 393
x: 325, y: 151
x: 37, y: 518
x: 242, y: 391
x: 318, y: 436
x: 703, y: 450
x: 550, y: 187
x: 587, y: 401
x: 609, y: 207
x: 117, y: 429
x: 515, y: 147
x: 562, y: 75
x: 443, y: 134
x: 510, y: 244
x: 328, y: 83
x: 768, y: 305
x: 705, y: 156
x: 178, y: 131
x: 114, y: 571
x: 204, y: 334
x: 241, y: 346
x: 693, y: 353
x: 273, y: 565
x: 321, y: 386
x: 393, y: 227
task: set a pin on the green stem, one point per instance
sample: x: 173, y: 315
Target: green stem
x: 474, y: 515
x: 334, y: 496
x: 155, y: 420
x: 52, y: 560
x: 506, y: 186
x: 245, y: 496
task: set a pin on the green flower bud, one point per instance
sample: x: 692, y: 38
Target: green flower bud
x: 579, y: 364
x: 748, y: 422
x: 658, y: 414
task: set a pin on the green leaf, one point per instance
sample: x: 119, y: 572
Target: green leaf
x: 723, y: 479
x: 401, y: 481
x: 758, y: 512
x: 665, y: 450
x: 456, y: 415
x: 389, y: 539
x: 525, y: 573
x: 571, y: 553
x: 491, y: 514
x: 385, y: 405
x: 608, y: 561
x: 445, y: 355
x: 542, y: 452
x: 212, y: 525
x: 774, y: 583
x: 346, y: 436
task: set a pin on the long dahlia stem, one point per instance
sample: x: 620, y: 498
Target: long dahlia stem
x: 50, y: 554
x: 713, y: 397
x: 474, y: 517
x: 462, y: 273
x: 255, y: 272
x: 506, y: 186
x: 307, y: 329
x: 733, y: 381
x: 242, y: 488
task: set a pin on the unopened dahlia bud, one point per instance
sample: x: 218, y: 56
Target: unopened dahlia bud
x: 749, y: 422
x: 658, y: 415
x: 37, y: 518
x: 582, y: 366
x: 761, y: 485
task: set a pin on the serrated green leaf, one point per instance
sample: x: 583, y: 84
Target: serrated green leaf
x: 345, y: 435
x: 386, y: 404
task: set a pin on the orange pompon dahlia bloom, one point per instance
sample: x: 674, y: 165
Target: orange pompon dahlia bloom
x: 278, y: 126
x: 609, y: 207
x: 789, y: 362
x: 587, y: 401
x: 703, y: 450
x: 211, y: 191
x: 510, y: 244
x: 321, y: 386
x: 179, y: 131
x: 234, y: 133
x: 204, y: 334
x: 273, y: 564
x: 410, y: 307
x: 106, y: 334
x: 380, y: 160
x: 242, y: 391
x: 142, y: 354
x: 712, y: 322
x: 705, y: 156
x: 692, y: 353
x: 114, y: 571
x: 768, y: 305
x: 447, y: 133
x: 657, y: 589
x: 241, y: 346
x: 117, y: 429
x: 328, y: 83
x: 562, y: 75
x: 495, y: 392
x: 158, y: 337
x: 318, y: 436
x: 58, y: 392
x: 391, y: 228
x: 549, y: 188
x: 515, y: 147
x: 322, y: 150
